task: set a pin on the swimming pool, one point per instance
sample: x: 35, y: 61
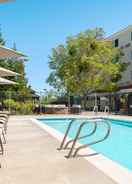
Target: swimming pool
x: 117, y: 147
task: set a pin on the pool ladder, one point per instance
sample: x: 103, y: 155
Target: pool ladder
x: 73, y: 152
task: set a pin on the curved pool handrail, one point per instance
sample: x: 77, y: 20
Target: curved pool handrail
x: 86, y: 145
x: 66, y: 134
x: 76, y: 138
x: 69, y: 127
x: 82, y: 137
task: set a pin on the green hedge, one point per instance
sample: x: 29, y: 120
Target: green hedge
x: 19, y: 107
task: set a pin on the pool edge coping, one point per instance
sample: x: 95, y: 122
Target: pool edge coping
x: 120, y: 174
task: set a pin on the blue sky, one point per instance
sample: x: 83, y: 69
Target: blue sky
x: 39, y: 25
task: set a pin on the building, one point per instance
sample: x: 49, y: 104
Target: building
x: 6, y: 53
x: 123, y: 40
x: 123, y: 99
x: 3, y: 1
x: 120, y: 101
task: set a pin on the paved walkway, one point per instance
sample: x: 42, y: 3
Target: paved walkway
x: 31, y: 158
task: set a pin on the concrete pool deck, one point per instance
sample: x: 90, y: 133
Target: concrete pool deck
x: 31, y: 157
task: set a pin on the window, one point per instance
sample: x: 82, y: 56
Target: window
x: 131, y: 55
x: 116, y: 42
x: 131, y: 75
x: 131, y: 36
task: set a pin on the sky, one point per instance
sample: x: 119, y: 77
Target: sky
x: 37, y: 26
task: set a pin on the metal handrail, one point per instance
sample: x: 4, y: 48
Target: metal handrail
x: 82, y: 137
x: 76, y: 137
x: 68, y: 130
x: 86, y: 145
x: 66, y: 134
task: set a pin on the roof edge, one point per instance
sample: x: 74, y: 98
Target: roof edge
x: 120, y: 32
x: 16, y: 52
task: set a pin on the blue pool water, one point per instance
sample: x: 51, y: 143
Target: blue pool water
x: 117, y: 147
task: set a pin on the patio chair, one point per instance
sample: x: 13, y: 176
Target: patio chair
x: 2, y: 132
x: 1, y: 142
x: 95, y: 109
x: 4, y: 120
x: 106, y: 109
x: 3, y: 129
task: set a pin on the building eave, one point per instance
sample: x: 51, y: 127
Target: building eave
x: 128, y: 28
x: 5, y: 1
x: 10, y: 53
x: 5, y: 72
x: 4, y: 81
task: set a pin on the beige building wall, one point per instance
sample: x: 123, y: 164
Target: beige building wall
x: 3, y: 1
x: 125, y: 43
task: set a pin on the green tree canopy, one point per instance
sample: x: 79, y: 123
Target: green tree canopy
x: 86, y: 62
x: 22, y: 88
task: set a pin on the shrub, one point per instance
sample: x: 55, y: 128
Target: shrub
x: 19, y: 107
x: 10, y: 103
x: 26, y: 108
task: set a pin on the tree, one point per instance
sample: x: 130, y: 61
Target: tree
x: 14, y: 46
x: 49, y: 97
x: 2, y: 41
x: 85, y: 63
x: 22, y: 89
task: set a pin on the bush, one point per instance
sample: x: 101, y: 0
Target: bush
x: 26, y: 108
x: 10, y: 103
x: 19, y: 107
